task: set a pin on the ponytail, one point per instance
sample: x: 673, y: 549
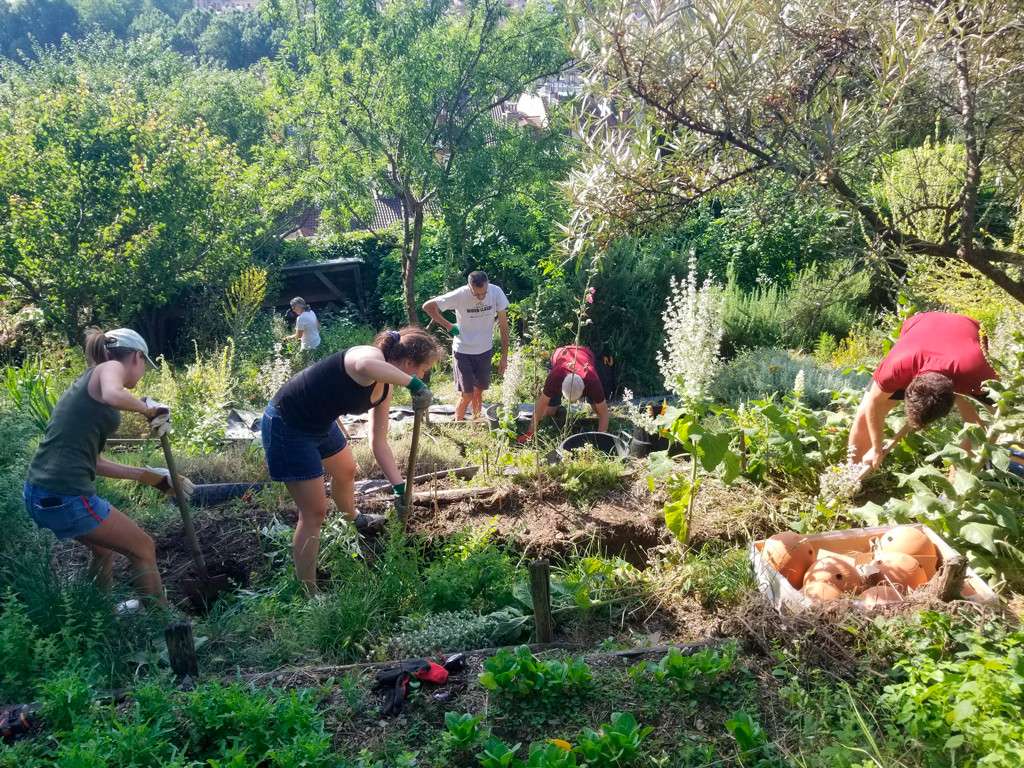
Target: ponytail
x: 410, y: 343
x: 99, y: 350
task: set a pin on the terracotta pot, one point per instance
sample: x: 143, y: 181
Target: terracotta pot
x: 899, y: 570
x: 835, y: 571
x: 911, y: 540
x: 821, y: 590
x: 790, y: 554
x: 880, y: 596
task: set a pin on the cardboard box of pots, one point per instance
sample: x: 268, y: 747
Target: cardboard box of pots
x: 872, y: 567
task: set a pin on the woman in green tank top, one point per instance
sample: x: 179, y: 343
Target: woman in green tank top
x: 59, y: 490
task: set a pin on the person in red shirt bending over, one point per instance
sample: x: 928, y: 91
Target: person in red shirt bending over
x: 574, y: 374
x: 938, y: 359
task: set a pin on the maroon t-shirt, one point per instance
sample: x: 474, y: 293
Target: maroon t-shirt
x: 578, y: 360
x: 937, y: 342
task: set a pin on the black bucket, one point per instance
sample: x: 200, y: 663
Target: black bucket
x: 602, y: 441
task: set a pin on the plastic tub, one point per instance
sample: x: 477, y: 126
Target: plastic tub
x: 602, y: 441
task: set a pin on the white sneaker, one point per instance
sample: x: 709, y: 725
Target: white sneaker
x: 129, y: 607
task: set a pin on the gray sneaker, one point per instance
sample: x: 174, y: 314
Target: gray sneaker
x: 365, y: 523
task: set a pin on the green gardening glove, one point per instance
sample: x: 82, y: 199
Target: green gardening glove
x: 455, y: 330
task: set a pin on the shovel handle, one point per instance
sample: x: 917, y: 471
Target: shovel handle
x: 414, y: 449
x: 906, y: 430
x: 186, y: 516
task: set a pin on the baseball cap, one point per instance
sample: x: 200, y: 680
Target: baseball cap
x: 126, y: 338
x: 572, y: 387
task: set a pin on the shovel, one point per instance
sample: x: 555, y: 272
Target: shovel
x: 906, y: 430
x: 204, y: 590
x: 414, y: 450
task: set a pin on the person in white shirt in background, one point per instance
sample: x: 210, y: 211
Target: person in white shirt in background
x: 476, y: 306
x: 307, y: 327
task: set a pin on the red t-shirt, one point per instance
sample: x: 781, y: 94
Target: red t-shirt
x: 937, y: 342
x: 578, y: 360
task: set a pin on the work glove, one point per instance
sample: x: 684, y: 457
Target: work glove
x: 455, y: 330
x: 160, y: 423
x: 525, y: 438
x: 396, y: 682
x: 422, y: 397
x: 160, y: 478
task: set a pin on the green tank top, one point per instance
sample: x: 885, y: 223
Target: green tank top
x: 65, y: 461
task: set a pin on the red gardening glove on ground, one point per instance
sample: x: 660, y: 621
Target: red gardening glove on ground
x: 525, y: 438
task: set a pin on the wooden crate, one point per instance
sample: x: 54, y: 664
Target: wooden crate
x: 851, y: 542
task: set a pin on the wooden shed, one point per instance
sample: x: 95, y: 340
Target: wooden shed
x: 338, y: 280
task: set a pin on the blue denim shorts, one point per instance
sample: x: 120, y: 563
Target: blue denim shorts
x: 294, y: 454
x: 67, y: 516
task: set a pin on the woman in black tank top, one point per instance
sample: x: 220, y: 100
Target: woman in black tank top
x: 302, y: 438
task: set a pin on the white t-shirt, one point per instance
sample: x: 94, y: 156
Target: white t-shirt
x: 306, y: 322
x: 474, y: 317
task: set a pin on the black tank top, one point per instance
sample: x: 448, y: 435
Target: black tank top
x: 312, y: 399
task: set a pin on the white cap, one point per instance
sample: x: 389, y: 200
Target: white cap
x: 572, y: 387
x: 126, y: 338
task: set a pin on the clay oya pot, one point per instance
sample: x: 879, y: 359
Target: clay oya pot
x: 880, y: 596
x: 910, y: 540
x: 835, y: 571
x: 790, y: 554
x: 821, y: 590
x: 900, y: 570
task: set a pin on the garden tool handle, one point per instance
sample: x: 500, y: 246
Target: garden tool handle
x: 897, y: 438
x: 417, y: 422
x: 186, y: 517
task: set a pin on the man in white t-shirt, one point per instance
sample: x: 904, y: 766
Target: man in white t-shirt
x: 307, y: 327
x: 476, y: 306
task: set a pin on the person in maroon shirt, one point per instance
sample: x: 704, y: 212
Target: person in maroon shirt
x: 574, y: 374
x: 938, y: 359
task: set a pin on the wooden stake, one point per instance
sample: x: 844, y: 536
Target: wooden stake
x: 181, y: 649
x: 437, y: 512
x: 540, y: 594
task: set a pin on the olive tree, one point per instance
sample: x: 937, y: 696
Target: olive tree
x: 691, y: 97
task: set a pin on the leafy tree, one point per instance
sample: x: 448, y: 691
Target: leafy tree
x: 191, y: 27
x: 110, y: 209
x: 238, y: 39
x: 704, y: 94
x: 109, y: 15
x: 398, y: 99
x: 24, y: 23
x: 150, y: 22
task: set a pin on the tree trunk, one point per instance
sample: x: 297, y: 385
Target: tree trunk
x: 411, y: 260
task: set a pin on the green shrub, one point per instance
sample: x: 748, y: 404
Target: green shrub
x: 587, y: 474
x: 794, y: 315
x: 260, y: 720
x: 429, y: 633
x: 67, y: 699
x: 471, y: 573
x: 760, y: 373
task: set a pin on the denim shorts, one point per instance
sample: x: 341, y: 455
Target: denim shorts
x: 67, y: 516
x: 294, y: 454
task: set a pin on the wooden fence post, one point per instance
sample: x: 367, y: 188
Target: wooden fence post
x: 181, y: 649
x: 540, y: 593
